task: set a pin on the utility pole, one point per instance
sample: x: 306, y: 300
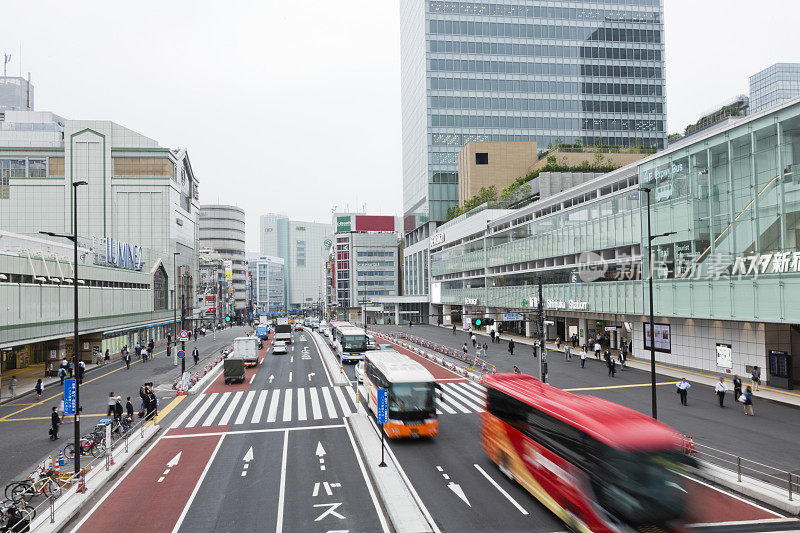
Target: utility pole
x: 183, y: 342
x: 542, y: 349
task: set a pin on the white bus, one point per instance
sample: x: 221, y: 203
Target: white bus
x: 350, y: 343
x: 412, y: 393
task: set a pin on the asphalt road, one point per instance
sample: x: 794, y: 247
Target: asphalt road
x: 24, y: 422
x: 770, y: 437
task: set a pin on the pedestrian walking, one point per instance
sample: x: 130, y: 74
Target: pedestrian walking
x: 748, y: 401
x: 38, y: 388
x: 62, y: 373
x: 465, y: 349
x: 756, y: 377
x: 497, y: 336
x: 683, y: 389
x: 129, y: 409
x: 534, y: 351
x: 137, y: 349
x: 567, y: 354
x: 484, y: 350
x: 558, y: 343
x: 474, y: 340
x: 574, y: 341
x: 151, y: 405
x: 583, y: 356
x: 127, y: 358
x: 107, y: 355
x: 597, y: 349
x: 144, y: 354
x: 720, y: 389
x: 737, y: 387
x: 196, y: 356
x: 516, y: 370
x: 511, y: 346
x: 118, y: 409
x: 111, y: 401
x: 612, y: 365
x: 491, y: 334
x: 70, y: 368
x: 55, y: 422
x: 454, y: 329
x: 150, y: 346
x: 623, y: 355
x: 12, y: 386
x: 81, y: 371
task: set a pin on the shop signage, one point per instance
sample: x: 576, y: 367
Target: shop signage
x: 470, y: 301
x: 724, y: 355
x: 120, y: 255
x: 436, y: 238
x: 69, y: 397
x: 775, y: 263
x: 511, y: 317
x: 343, y: 224
x: 550, y: 303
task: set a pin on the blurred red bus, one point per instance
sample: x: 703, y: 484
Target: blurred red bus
x: 597, y: 465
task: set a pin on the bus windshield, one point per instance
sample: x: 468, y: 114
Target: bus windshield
x: 411, y: 398
x: 642, y: 488
x: 354, y: 343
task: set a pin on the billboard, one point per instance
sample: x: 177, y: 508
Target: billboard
x: 374, y: 223
x: 343, y: 224
x: 663, y: 343
x: 228, y: 265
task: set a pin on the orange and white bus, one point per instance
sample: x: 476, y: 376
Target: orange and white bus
x: 412, y: 393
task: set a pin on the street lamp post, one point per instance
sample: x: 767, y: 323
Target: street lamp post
x: 76, y: 344
x: 175, y: 303
x: 650, y: 237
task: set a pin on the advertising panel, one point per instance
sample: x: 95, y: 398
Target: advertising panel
x: 724, y: 355
x: 373, y: 223
x: 343, y: 224
x: 663, y: 342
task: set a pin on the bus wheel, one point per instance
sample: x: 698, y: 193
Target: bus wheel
x: 503, y: 466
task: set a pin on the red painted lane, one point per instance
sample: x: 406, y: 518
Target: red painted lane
x: 709, y: 505
x: 438, y: 371
x: 141, y: 501
x: 219, y: 383
x: 196, y: 430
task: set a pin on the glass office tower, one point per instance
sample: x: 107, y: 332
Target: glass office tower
x: 523, y: 70
x: 773, y: 85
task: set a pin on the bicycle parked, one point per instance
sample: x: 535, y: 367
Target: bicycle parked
x: 27, y: 511
x: 43, y: 483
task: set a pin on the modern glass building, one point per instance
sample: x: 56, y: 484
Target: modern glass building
x: 266, y: 283
x: 773, y: 85
x: 725, y: 281
x: 222, y: 230
x: 523, y: 70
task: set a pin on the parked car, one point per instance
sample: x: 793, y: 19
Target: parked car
x: 278, y: 347
x: 385, y: 346
x: 359, y: 371
x: 326, y: 331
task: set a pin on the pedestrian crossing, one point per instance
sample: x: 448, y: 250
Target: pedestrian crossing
x: 306, y: 405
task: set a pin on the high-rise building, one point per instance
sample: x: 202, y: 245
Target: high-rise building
x: 523, y: 70
x: 303, y: 246
x: 266, y: 284
x: 222, y: 230
x: 774, y: 85
x: 16, y: 94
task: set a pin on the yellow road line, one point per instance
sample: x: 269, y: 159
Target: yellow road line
x: 82, y: 384
x: 48, y: 418
x: 170, y: 406
x: 621, y: 386
x: 709, y: 376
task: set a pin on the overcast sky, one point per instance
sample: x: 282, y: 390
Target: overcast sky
x: 294, y: 106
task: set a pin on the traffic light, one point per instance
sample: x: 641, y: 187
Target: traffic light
x: 478, y: 322
x: 227, y: 319
x: 489, y: 322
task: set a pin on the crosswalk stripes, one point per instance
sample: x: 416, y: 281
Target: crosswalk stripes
x: 217, y: 408
x: 301, y: 404
x: 287, y: 406
x: 273, y: 406
x: 468, y: 393
x: 185, y: 413
x: 231, y: 408
x: 315, y: 408
x: 326, y: 394
x: 262, y: 399
x: 245, y: 406
x: 202, y: 409
x: 342, y: 401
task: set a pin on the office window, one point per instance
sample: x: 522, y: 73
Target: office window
x: 37, y: 168
x: 300, y: 253
x: 482, y: 158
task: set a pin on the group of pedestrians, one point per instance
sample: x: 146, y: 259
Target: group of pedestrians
x: 721, y: 388
x: 145, y: 351
x: 494, y: 335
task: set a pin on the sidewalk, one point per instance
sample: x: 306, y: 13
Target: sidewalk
x: 27, y: 376
x: 692, y: 375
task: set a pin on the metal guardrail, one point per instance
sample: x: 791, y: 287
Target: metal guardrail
x: 782, y: 480
x: 118, y: 443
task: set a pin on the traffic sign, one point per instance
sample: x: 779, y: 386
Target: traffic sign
x: 184, y: 335
x: 69, y: 397
x: 383, y: 406
x: 181, y: 354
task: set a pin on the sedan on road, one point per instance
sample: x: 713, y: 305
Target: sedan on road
x: 278, y: 347
x: 385, y: 346
x: 359, y: 371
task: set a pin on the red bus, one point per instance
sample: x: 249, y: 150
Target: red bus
x: 597, y: 465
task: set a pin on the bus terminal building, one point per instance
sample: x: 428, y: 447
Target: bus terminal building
x: 726, y: 277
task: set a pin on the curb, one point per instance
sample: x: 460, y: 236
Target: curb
x: 750, y: 487
x: 339, y: 379
x: 70, y: 503
x: 405, y: 511
x: 208, y: 378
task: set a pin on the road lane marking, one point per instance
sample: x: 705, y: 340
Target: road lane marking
x: 202, y: 409
x: 477, y: 387
x: 185, y: 413
x: 197, y: 485
x: 217, y: 408
x: 251, y: 431
x: 245, y: 407
x: 262, y: 399
x: 605, y: 387
x: 448, y: 400
x: 315, y: 407
x: 367, y: 481
x: 339, y: 396
x: 231, y: 408
x: 273, y: 405
x: 732, y: 495
x: 463, y: 398
x: 443, y: 405
x: 501, y: 490
x: 326, y: 394
x: 287, y: 405
x: 469, y: 394
x: 282, y: 493
x: 290, y: 376
x: 253, y: 377
x: 301, y: 404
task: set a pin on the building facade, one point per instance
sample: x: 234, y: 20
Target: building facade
x: 523, y: 70
x: 773, y: 85
x: 139, y: 208
x: 222, y: 229
x: 486, y: 164
x: 16, y: 94
x: 267, y: 285
x: 724, y: 280
x: 303, y: 246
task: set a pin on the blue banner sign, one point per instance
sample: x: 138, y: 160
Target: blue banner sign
x: 70, y: 407
x: 383, y: 406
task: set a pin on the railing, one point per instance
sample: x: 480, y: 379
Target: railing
x: 119, y: 443
x: 782, y: 480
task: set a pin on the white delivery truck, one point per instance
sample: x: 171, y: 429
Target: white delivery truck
x: 246, y: 348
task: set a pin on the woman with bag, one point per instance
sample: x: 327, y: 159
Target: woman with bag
x: 747, y: 400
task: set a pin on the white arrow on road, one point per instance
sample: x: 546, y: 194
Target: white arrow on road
x: 456, y: 488
x: 271, y: 377
x: 248, y: 456
x: 320, y: 450
x: 312, y: 374
x: 174, y: 461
